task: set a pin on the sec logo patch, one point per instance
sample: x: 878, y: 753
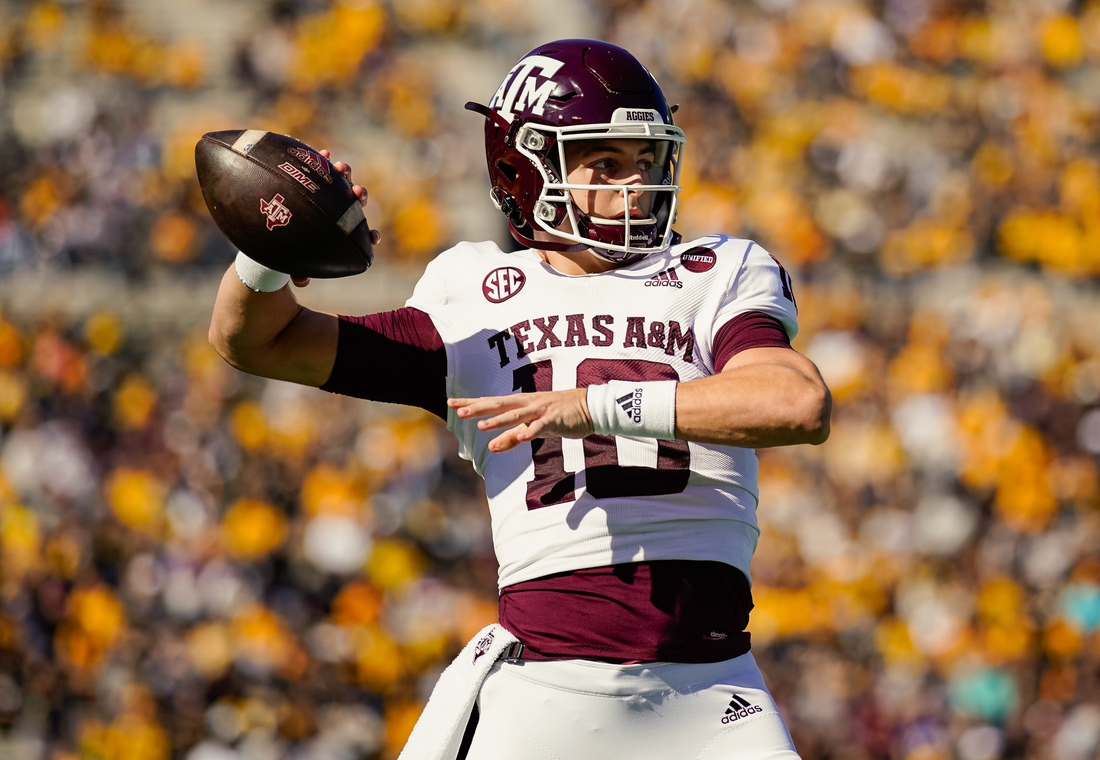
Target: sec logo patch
x: 698, y: 259
x: 503, y: 283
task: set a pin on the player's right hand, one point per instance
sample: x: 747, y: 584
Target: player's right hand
x: 360, y: 193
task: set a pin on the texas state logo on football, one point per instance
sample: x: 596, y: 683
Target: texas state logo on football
x: 579, y: 330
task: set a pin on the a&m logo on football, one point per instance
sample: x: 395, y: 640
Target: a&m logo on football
x: 277, y: 214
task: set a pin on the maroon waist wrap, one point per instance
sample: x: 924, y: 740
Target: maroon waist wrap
x: 661, y: 611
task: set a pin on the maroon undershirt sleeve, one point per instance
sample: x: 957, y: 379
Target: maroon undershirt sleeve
x: 753, y: 329
x: 398, y: 356
x: 394, y: 356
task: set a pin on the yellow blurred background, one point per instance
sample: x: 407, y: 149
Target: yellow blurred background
x: 199, y: 564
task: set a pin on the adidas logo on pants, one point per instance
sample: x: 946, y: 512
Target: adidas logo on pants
x: 740, y: 708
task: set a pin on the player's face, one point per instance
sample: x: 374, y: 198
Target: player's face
x: 615, y: 162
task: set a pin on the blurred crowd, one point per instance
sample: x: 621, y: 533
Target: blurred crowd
x: 199, y: 564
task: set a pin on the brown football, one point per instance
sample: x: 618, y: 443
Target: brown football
x: 281, y: 202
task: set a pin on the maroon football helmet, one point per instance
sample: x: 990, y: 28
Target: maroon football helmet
x: 572, y: 90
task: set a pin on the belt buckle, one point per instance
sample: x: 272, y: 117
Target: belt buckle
x: 513, y: 652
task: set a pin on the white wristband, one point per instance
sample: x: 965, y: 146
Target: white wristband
x: 257, y: 277
x: 645, y: 410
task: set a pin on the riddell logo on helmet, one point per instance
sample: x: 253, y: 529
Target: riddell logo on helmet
x: 698, y: 259
x: 503, y: 283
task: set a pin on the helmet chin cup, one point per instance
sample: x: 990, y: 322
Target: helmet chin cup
x: 621, y: 241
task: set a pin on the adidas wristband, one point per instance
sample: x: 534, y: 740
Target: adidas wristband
x: 257, y: 277
x: 645, y: 410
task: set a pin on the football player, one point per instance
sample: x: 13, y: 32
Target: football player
x: 610, y: 382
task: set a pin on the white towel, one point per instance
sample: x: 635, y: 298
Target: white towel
x: 437, y: 735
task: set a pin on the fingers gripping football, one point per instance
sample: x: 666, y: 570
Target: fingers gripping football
x: 360, y: 193
x: 526, y: 416
x: 359, y: 190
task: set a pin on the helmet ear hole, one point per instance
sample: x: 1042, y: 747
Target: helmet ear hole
x: 507, y: 170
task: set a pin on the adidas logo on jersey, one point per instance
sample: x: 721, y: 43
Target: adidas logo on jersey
x: 740, y: 708
x: 666, y: 279
x: 631, y: 403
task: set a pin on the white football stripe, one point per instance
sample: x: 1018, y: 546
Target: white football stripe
x: 247, y: 141
x: 351, y: 218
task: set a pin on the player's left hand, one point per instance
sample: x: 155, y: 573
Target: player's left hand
x: 549, y: 414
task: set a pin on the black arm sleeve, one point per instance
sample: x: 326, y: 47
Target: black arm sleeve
x: 394, y: 356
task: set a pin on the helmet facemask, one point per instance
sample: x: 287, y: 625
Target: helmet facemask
x: 620, y: 240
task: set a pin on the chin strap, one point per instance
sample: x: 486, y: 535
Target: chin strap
x: 545, y: 245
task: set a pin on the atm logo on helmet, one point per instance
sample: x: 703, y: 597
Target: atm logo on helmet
x: 503, y: 283
x: 521, y: 88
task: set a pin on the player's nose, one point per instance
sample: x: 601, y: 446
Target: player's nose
x: 632, y: 177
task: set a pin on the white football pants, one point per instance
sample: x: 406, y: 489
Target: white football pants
x: 581, y: 710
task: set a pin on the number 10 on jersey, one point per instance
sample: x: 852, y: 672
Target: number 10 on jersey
x: 605, y: 478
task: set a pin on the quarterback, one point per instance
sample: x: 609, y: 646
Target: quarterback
x: 610, y: 382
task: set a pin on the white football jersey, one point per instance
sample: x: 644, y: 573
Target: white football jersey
x: 511, y: 323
